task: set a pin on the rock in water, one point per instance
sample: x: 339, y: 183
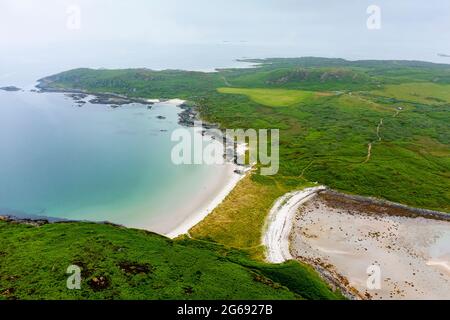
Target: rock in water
x: 10, y: 88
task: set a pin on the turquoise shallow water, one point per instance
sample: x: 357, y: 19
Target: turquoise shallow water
x: 92, y: 163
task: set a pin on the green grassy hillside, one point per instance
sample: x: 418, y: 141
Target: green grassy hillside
x: 120, y: 263
x: 138, y: 82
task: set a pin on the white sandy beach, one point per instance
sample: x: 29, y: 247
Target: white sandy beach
x: 214, y: 191
x: 279, y: 224
x: 203, y: 204
x: 176, y: 102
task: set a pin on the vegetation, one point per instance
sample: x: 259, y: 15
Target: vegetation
x: 426, y: 93
x: 240, y: 219
x: 326, y: 140
x: 137, y: 82
x: 271, y: 97
x: 120, y: 263
x: 374, y: 128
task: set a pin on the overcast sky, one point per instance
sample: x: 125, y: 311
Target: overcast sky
x: 410, y: 29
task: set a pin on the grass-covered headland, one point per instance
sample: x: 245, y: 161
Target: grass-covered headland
x: 121, y: 263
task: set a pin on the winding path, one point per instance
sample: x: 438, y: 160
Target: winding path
x: 226, y: 82
x: 369, y: 147
x: 369, y: 152
x: 378, y: 129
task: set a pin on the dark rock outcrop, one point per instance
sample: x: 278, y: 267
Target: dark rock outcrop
x: 10, y: 88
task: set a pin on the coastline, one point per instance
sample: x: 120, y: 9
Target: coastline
x: 207, y: 202
x: 216, y: 188
x: 200, y: 207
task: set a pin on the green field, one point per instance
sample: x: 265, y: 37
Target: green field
x: 120, y: 263
x: 427, y: 93
x: 271, y: 97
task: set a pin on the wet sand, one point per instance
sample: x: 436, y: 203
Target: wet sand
x: 413, y: 253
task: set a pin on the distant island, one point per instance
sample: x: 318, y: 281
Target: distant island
x: 10, y: 88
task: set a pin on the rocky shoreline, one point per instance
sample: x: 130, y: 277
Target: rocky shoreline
x: 99, y: 98
x: 379, y: 206
x: 190, y: 115
x: 35, y: 221
x: 187, y: 117
x: 335, y: 280
x: 38, y: 221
